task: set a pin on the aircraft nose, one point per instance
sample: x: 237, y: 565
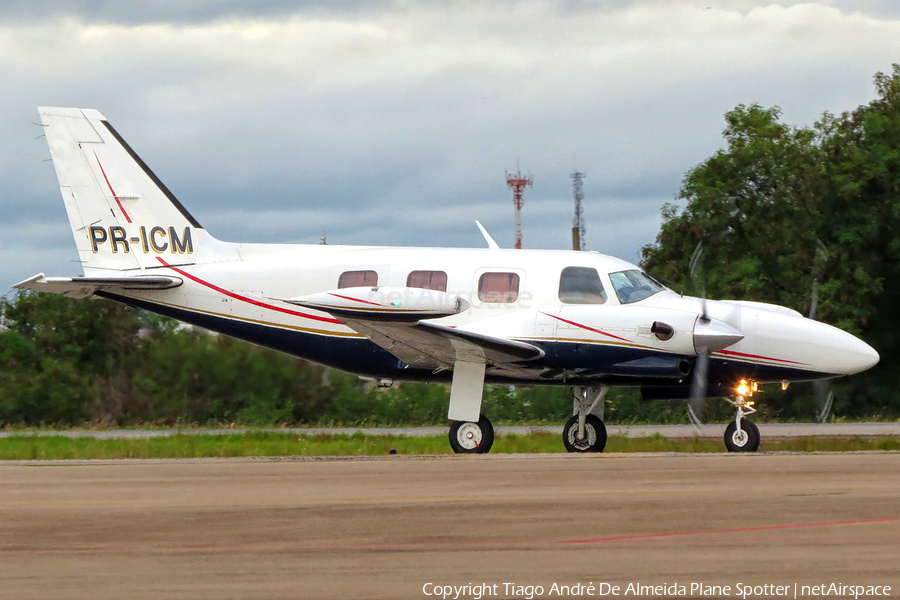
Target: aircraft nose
x: 839, y: 352
x: 855, y: 355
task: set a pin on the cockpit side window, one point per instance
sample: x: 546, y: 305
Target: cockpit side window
x: 581, y: 285
x: 634, y: 286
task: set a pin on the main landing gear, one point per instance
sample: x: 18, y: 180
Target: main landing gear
x: 467, y: 437
x: 742, y: 435
x: 585, y: 431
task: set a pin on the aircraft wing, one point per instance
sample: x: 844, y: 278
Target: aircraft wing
x: 432, y: 346
x: 398, y: 320
x: 82, y: 287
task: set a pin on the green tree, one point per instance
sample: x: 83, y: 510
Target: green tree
x: 763, y: 205
x: 65, y: 360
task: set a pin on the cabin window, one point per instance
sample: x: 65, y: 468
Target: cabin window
x: 429, y: 280
x: 634, y: 286
x: 349, y: 279
x: 498, y: 287
x: 581, y: 285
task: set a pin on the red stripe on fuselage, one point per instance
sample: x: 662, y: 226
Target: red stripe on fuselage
x: 589, y: 328
x: 355, y: 299
x: 744, y: 355
x: 245, y: 299
x: 122, y: 208
x: 725, y: 352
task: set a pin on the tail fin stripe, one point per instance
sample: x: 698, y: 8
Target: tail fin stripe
x: 112, y: 191
x: 153, y: 177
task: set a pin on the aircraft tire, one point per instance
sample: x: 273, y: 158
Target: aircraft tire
x: 747, y: 441
x: 594, y: 431
x: 467, y: 437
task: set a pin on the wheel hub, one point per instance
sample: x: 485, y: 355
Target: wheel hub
x: 740, y: 438
x: 582, y: 443
x: 469, y: 436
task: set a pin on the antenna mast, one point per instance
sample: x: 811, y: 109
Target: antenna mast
x: 517, y: 183
x: 578, y: 222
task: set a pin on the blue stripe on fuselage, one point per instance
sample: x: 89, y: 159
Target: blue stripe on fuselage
x: 363, y: 357
x: 356, y: 355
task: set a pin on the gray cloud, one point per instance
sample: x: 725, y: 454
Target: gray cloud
x: 395, y: 126
x: 190, y: 11
x: 207, y: 11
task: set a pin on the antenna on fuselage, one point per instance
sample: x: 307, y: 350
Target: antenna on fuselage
x: 487, y: 237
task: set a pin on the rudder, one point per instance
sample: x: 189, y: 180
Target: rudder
x: 122, y: 216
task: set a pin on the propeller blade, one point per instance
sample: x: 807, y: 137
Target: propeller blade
x: 824, y: 394
x: 698, y: 387
x: 822, y: 389
x: 700, y: 382
x: 814, y: 301
x: 694, y: 419
x: 698, y: 277
x: 820, y: 262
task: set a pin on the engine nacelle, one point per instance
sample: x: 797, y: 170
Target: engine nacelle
x: 385, y: 303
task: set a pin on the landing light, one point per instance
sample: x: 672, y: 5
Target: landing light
x: 745, y: 388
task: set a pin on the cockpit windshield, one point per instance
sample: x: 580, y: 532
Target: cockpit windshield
x: 634, y: 286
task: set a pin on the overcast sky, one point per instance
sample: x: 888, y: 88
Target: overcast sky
x: 393, y: 122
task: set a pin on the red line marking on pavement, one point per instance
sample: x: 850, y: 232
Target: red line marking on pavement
x: 122, y: 208
x: 415, y: 545
x: 644, y: 536
x: 244, y: 298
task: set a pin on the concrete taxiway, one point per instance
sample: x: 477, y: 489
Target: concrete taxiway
x: 385, y: 527
x: 768, y: 430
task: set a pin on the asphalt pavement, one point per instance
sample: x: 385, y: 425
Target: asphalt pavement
x: 768, y: 430
x: 410, y: 527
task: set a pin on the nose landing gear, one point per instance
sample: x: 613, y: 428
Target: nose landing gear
x: 585, y: 431
x: 742, y: 435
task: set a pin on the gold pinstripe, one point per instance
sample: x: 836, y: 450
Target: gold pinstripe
x: 258, y: 322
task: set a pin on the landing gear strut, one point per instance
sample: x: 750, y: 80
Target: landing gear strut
x: 585, y: 431
x: 742, y: 435
x: 467, y: 437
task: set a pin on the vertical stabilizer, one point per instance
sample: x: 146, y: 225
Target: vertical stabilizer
x: 122, y: 215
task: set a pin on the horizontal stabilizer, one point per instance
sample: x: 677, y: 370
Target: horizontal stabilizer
x: 82, y: 287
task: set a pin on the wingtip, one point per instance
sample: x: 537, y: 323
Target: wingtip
x: 23, y: 285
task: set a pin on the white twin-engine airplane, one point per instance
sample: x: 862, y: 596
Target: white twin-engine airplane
x: 469, y: 316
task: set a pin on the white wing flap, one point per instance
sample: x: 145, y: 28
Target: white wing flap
x: 427, y: 345
x: 82, y: 287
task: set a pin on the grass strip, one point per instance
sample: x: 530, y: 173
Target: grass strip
x: 32, y: 447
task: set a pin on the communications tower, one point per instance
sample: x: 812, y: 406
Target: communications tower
x: 517, y: 182
x: 578, y: 221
